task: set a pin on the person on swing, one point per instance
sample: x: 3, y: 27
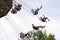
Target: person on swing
x: 35, y: 11
x: 44, y: 19
x: 37, y: 27
x: 17, y: 7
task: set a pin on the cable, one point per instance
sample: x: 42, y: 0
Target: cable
x: 12, y: 22
x: 25, y: 10
x: 25, y: 5
x: 23, y: 19
x: 3, y: 30
x: 7, y: 29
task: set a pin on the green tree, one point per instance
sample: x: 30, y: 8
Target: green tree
x: 50, y: 37
x: 43, y: 35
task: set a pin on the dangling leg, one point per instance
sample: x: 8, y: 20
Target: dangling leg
x: 41, y: 27
x: 40, y: 7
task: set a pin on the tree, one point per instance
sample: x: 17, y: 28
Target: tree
x: 43, y: 36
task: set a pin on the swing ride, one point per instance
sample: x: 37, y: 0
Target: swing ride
x: 7, y: 5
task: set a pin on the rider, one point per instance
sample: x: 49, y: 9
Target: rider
x: 35, y: 12
x: 44, y: 19
x: 37, y: 27
x: 16, y: 8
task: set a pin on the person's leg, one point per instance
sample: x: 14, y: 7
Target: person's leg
x: 40, y: 7
x: 41, y: 27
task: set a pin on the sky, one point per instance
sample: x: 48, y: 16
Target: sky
x: 51, y: 9
x: 21, y: 22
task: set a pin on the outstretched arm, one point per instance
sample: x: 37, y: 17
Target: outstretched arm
x: 33, y: 25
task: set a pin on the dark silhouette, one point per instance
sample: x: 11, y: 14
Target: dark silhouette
x: 37, y: 27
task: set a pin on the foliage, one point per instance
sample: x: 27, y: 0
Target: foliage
x: 43, y: 36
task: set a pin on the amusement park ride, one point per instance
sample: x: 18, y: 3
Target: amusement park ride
x: 6, y: 5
